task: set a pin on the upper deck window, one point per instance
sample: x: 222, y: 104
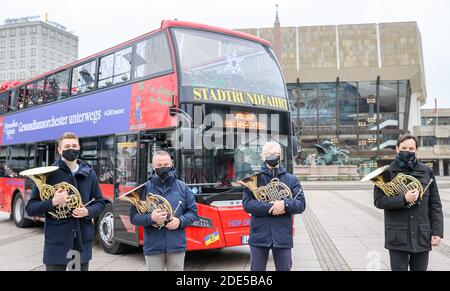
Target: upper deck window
x: 213, y: 60
x: 152, y: 56
x: 115, y: 68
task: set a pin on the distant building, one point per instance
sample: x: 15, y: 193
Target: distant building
x: 30, y: 46
x: 359, y: 86
x: 434, y: 139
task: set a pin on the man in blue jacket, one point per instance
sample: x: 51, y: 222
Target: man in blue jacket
x: 165, y: 247
x: 77, y: 232
x: 271, y: 225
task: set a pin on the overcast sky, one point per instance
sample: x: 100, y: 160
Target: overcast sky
x: 101, y: 24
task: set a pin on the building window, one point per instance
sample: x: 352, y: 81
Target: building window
x: 44, y: 31
x: 327, y: 106
x: 33, y: 52
x: 428, y: 121
x: 44, y: 40
x: 33, y: 40
x: 3, y: 33
x: 23, y: 30
x: 44, y: 52
x: 12, y: 43
x: 33, y: 63
x: 22, y: 65
x: 367, y: 94
x: 12, y: 65
x: 22, y: 53
x: 2, y: 54
x: 428, y: 141
x: 12, y: 54
x: 12, y: 76
x: 12, y: 32
x: 22, y: 41
x: 348, y: 106
x: 22, y: 76
x: 388, y: 99
x: 444, y: 120
x: 2, y: 43
x: 2, y: 66
x: 33, y: 29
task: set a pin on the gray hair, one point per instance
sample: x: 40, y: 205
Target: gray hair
x: 161, y: 153
x: 269, y: 146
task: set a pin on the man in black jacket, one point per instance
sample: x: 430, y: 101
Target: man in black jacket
x: 77, y: 232
x: 410, y: 232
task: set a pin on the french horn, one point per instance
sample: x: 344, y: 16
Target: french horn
x: 274, y: 191
x: 400, y: 185
x: 150, y: 203
x: 46, y: 191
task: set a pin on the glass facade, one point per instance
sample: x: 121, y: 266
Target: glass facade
x: 363, y: 118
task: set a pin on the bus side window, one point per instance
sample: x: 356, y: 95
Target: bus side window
x: 13, y: 100
x: 2, y: 161
x: 83, y: 78
x: 4, y: 102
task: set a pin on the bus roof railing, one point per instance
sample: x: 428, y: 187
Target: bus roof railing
x: 164, y: 24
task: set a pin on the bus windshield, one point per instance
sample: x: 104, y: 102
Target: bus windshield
x: 213, y: 60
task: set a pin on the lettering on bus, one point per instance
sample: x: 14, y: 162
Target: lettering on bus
x: 213, y: 95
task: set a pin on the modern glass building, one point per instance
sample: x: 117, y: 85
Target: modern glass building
x: 365, y: 118
x: 358, y: 86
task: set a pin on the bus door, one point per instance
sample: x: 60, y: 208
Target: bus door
x: 45, y: 154
x: 126, y: 178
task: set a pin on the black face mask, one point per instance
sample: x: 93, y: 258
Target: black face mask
x: 273, y: 161
x: 163, y: 172
x: 407, y: 159
x: 70, y: 154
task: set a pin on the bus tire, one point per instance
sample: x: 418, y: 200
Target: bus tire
x: 18, y: 212
x: 105, y: 232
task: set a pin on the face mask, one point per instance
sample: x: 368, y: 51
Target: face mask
x: 273, y: 161
x: 406, y: 156
x: 163, y: 172
x: 70, y: 154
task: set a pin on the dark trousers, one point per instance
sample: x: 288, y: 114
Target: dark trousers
x: 61, y: 268
x: 260, y: 255
x: 83, y: 267
x: 401, y: 260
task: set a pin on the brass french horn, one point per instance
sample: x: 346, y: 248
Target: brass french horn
x: 274, y: 191
x: 400, y: 185
x: 46, y: 191
x: 150, y: 203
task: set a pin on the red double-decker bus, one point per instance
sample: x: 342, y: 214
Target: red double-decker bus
x: 209, y: 96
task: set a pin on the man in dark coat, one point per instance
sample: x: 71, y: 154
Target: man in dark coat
x: 271, y: 225
x: 165, y: 247
x: 411, y: 231
x: 66, y: 236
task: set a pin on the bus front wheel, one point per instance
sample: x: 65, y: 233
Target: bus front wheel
x: 18, y: 212
x: 105, y: 232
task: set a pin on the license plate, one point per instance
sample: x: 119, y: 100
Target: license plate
x: 245, y: 239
